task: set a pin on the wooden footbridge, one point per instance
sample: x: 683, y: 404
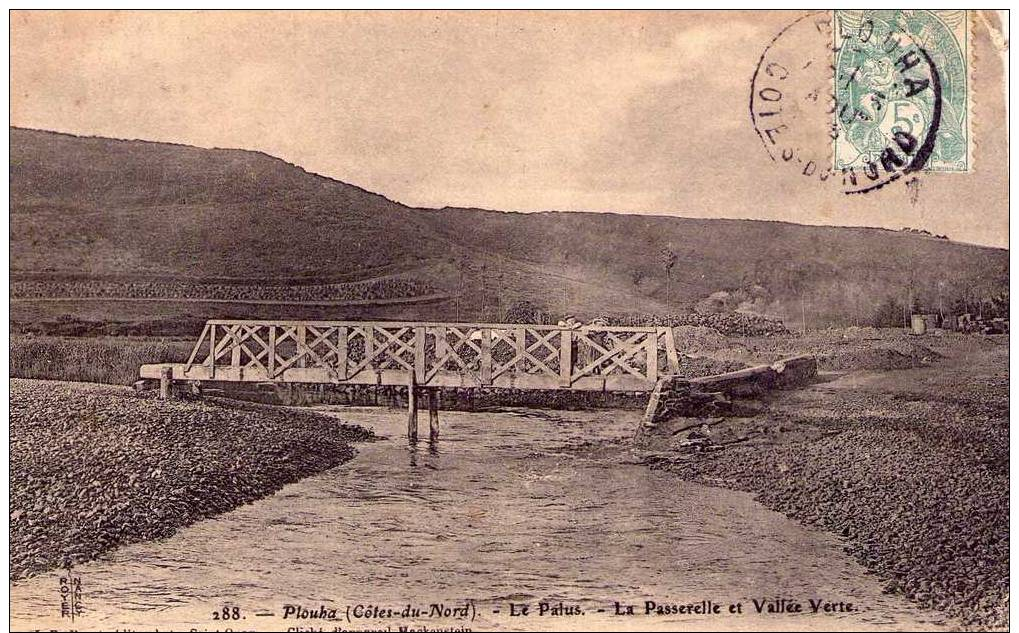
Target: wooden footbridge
x: 424, y: 356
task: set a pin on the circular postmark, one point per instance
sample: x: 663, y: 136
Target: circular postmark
x: 855, y: 102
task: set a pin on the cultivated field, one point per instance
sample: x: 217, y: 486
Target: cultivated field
x: 368, y: 290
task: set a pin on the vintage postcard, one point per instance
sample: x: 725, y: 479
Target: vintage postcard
x: 508, y: 320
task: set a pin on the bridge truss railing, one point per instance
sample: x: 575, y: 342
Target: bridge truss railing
x: 435, y: 354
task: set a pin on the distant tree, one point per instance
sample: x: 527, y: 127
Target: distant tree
x: 636, y: 277
x: 484, y: 292
x: 667, y: 258
x: 565, y: 262
x: 463, y: 267
x: 999, y: 305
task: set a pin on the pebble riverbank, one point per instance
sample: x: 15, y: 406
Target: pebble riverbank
x: 910, y: 467
x: 97, y: 466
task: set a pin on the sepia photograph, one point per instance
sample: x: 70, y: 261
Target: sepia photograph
x: 508, y: 320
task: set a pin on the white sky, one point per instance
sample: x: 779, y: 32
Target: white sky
x: 637, y: 113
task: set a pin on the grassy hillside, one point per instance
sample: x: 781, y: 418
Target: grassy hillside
x: 95, y: 208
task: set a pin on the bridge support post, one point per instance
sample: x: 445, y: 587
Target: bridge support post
x: 412, y: 407
x: 433, y: 414
x: 165, y: 383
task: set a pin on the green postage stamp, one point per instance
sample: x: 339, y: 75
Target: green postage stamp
x: 875, y: 101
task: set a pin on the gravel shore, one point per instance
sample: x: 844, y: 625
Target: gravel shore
x: 910, y: 467
x: 97, y: 466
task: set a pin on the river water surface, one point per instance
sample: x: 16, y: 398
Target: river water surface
x: 507, y: 508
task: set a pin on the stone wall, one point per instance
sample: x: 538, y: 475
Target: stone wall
x: 450, y: 398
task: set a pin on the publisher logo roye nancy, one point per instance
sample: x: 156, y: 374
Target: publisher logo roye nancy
x: 70, y: 596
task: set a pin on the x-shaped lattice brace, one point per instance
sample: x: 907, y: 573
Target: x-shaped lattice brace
x: 616, y: 355
x: 235, y: 338
x: 322, y: 338
x: 525, y: 354
x: 452, y: 352
x: 401, y: 347
x: 307, y: 350
x: 395, y: 355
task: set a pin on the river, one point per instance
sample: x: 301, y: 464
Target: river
x: 508, y: 508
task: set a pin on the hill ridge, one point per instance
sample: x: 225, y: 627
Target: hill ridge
x: 98, y: 207
x: 347, y: 183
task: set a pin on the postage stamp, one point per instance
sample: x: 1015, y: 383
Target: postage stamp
x: 800, y: 116
x: 876, y: 101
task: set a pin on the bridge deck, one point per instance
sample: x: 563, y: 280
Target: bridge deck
x: 429, y: 354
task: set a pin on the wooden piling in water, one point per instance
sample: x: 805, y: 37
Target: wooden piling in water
x: 412, y: 407
x: 433, y: 414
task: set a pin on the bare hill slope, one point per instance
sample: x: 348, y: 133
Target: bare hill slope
x: 113, y: 209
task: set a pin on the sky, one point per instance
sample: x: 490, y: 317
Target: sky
x: 518, y: 111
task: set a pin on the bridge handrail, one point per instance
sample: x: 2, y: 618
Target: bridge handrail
x: 458, y: 324
x: 589, y: 357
